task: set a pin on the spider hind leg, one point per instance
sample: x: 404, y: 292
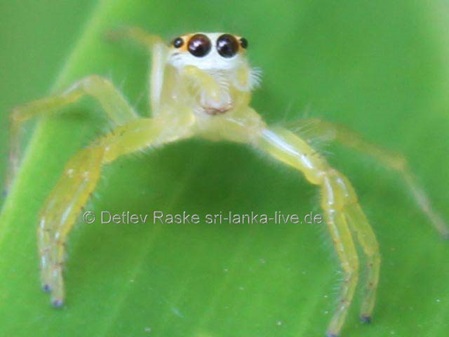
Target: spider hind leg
x: 394, y: 161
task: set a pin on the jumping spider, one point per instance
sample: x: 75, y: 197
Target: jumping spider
x: 201, y: 85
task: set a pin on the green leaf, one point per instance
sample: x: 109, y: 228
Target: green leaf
x: 378, y: 67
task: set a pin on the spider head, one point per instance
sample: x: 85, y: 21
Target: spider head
x: 208, y: 51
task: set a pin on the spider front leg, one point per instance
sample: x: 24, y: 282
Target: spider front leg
x: 114, y: 104
x: 79, y: 180
x: 343, y: 216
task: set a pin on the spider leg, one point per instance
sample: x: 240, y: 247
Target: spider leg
x: 77, y: 183
x: 388, y: 159
x: 156, y: 46
x: 135, y: 34
x: 114, y: 104
x: 342, y: 213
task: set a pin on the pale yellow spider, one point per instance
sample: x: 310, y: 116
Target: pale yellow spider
x: 200, y: 85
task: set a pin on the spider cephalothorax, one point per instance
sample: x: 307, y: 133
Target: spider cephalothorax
x: 222, y: 57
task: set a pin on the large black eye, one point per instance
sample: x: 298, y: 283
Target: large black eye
x: 227, y: 45
x: 199, y: 45
x: 178, y: 42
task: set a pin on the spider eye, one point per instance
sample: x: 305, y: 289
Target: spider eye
x: 199, y: 45
x: 244, y: 43
x: 227, y: 45
x: 178, y: 42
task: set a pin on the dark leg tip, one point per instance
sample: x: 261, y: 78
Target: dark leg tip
x: 365, y: 319
x: 57, y: 303
x: 46, y: 288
